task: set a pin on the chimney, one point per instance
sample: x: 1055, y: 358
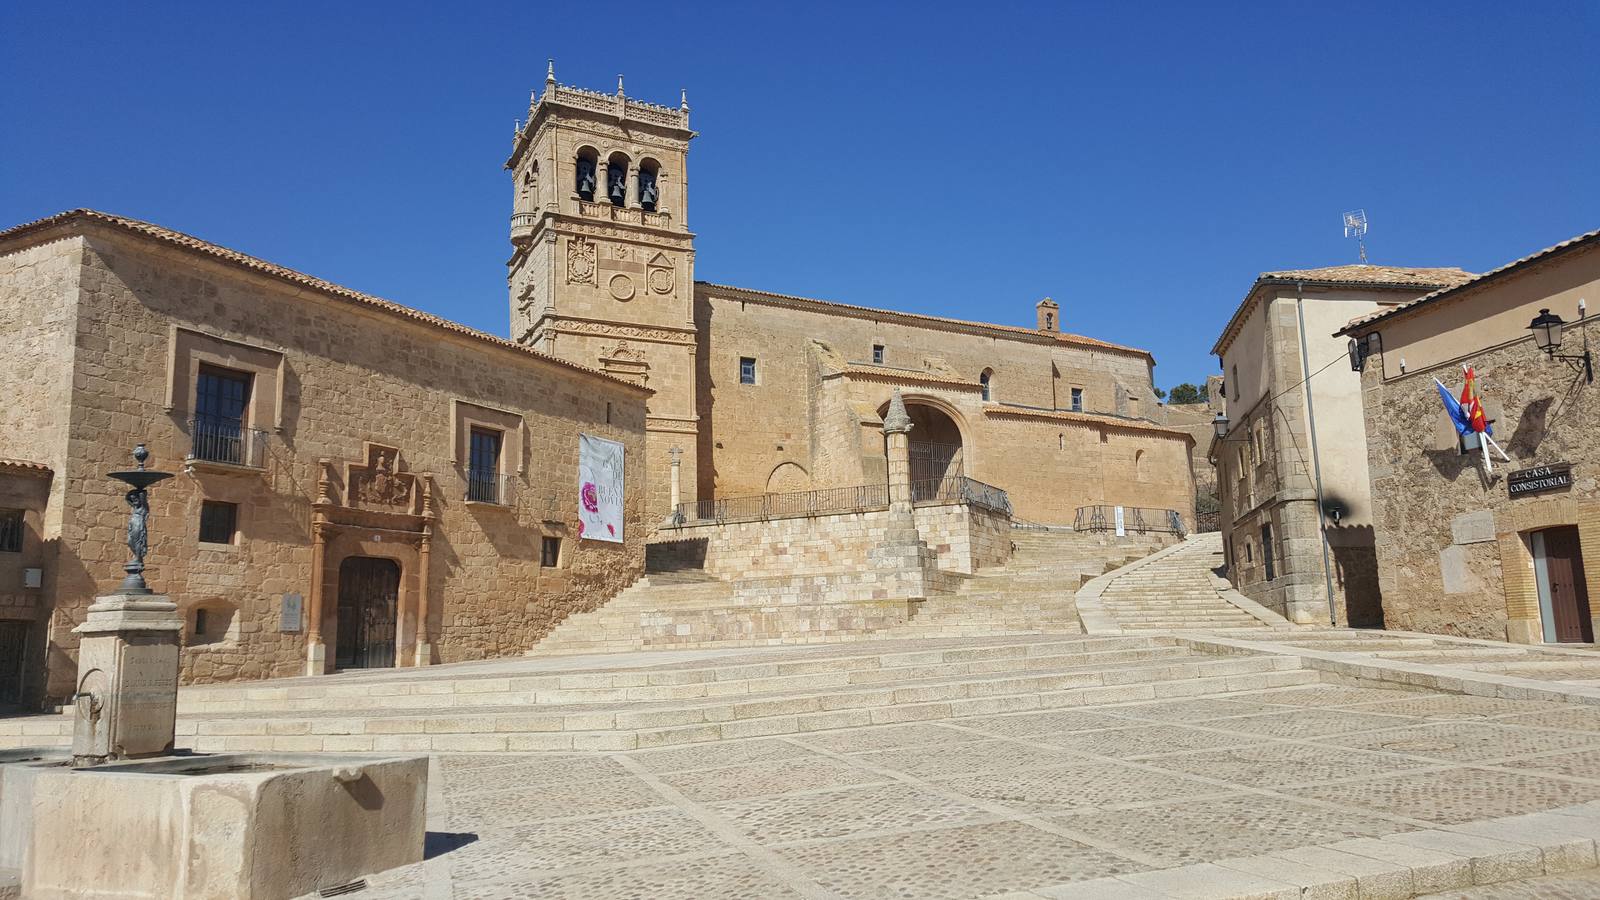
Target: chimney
x: 1049, y: 315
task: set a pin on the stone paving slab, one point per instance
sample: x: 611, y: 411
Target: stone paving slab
x: 1288, y: 792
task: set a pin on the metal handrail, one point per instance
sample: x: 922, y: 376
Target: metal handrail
x: 833, y: 501
x: 215, y: 439
x: 1135, y: 519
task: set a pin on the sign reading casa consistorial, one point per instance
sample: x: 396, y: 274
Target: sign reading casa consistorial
x: 1537, y: 480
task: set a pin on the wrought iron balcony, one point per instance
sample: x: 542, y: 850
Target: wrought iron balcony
x: 489, y: 487
x: 226, y: 441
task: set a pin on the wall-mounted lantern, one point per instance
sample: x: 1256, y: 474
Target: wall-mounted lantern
x: 1547, y: 328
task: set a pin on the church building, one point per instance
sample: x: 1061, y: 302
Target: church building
x: 765, y: 392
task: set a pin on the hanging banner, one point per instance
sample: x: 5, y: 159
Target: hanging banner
x: 599, y: 489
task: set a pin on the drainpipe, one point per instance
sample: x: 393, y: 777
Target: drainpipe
x: 1316, y: 460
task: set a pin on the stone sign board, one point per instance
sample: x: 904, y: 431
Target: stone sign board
x: 289, y: 614
x: 1473, y: 527
x: 1539, y: 479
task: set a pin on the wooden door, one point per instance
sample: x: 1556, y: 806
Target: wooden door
x: 13, y: 649
x: 1569, y: 593
x: 369, y: 595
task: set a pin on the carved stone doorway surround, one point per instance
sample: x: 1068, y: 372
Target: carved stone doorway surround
x: 376, y: 509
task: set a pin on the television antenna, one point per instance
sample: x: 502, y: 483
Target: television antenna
x: 1355, y: 225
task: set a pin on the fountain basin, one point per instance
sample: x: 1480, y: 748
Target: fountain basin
x: 18, y: 769
x: 262, y: 826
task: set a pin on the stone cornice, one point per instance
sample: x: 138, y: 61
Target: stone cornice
x: 1079, y: 418
x: 617, y: 108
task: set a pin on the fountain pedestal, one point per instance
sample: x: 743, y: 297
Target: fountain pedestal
x: 127, y: 697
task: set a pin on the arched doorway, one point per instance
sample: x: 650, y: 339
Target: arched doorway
x: 935, y: 448
x: 369, y: 595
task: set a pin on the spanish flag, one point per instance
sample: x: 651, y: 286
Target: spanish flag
x: 1472, y: 406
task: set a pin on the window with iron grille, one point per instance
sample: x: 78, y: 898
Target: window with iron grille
x: 483, y: 466
x: 1077, y: 399
x: 218, y: 521
x: 1266, y: 551
x: 550, y: 552
x: 220, y: 399
x: 10, y: 531
x: 877, y: 354
x: 747, y: 370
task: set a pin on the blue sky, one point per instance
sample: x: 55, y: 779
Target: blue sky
x: 1140, y: 163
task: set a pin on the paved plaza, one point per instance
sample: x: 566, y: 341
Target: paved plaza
x: 1386, y: 792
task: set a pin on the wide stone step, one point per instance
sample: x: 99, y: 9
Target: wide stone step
x: 681, y: 684
x: 618, y: 730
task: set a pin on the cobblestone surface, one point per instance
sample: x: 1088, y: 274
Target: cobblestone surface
x: 986, y: 805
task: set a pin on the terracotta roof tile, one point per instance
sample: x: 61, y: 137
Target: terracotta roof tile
x: 1062, y: 337
x: 1366, y: 274
x: 192, y: 243
x: 1369, y: 276
x: 1462, y: 285
x: 25, y: 467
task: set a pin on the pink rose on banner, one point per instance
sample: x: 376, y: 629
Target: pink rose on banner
x: 580, y: 528
x: 591, y: 497
x: 611, y: 529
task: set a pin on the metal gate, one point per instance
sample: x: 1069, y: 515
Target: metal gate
x: 369, y: 594
x: 13, y: 650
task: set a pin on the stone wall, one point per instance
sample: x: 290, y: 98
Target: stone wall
x: 818, y: 395
x: 347, y: 374
x: 1452, y: 545
x: 964, y: 538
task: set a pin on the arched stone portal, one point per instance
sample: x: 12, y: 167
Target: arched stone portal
x: 936, y: 447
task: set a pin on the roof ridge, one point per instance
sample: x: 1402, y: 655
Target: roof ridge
x: 253, y: 263
x: 1470, y: 282
x: 1061, y: 336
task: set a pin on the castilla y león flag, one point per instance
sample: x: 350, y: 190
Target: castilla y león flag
x: 1472, y: 405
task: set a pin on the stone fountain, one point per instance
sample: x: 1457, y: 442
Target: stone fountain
x: 129, y: 816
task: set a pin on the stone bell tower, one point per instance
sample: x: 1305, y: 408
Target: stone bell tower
x: 602, y: 270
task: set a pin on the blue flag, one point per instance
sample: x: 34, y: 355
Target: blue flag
x: 1451, y: 406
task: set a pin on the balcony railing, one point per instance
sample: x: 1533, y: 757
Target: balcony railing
x: 226, y: 441
x: 834, y: 501
x: 1135, y: 520
x: 628, y: 215
x: 961, y: 489
x: 489, y: 487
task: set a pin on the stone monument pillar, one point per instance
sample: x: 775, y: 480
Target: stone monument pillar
x: 901, y: 556
x: 127, y: 697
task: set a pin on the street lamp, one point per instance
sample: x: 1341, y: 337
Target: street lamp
x: 1547, y: 328
x: 1220, y: 425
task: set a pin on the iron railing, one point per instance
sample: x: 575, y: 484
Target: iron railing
x: 930, y: 461
x: 1207, y: 521
x: 832, y: 501
x: 760, y: 507
x: 961, y: 489
x: 1135, y: 519
x: 226, y: 441
x: 488, y: 487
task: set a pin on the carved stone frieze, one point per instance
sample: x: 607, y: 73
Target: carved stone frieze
x: 677, y: 241
x: 629, y: 332
x: 625, y: 362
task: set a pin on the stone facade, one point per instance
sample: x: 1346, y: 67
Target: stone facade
x: 1267, y: 468
x: 340, y: 383
x: 1456, y: 550
x: 767, y: 392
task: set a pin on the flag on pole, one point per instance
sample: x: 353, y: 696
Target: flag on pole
x: 1453, y: 409
x: 1472, y: 406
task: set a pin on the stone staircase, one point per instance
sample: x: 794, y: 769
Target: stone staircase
x: 1174, y: 590
x: 1574, y: 664
x: 648, y: 699
x: 1033, y: 592
x: 683, y: 607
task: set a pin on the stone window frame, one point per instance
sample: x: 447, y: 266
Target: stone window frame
x: 189, y: 349
x: 466, y: 415
x: 755, y: 373
x: 1075, y: 399
x: 18, y: 532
